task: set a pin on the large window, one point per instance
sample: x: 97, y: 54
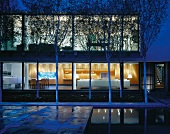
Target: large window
x: 74, y: 76
x: 99, y: 76
x: 11, y: 31
x: 78, y: 32
x: 47, y: 76
x: 12, y: 76
x: 99, y: 30
x: 41, y: 30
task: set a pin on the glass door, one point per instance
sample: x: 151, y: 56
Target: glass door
x: 159, y: 75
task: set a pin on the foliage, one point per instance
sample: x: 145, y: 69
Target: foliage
x: 10, y: 30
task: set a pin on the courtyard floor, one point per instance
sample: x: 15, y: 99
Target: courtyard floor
x: 43, y: 119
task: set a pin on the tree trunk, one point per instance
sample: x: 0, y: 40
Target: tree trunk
x: 110, y: 120
x: 109, y: 82
x: 145, y: 121
x: 108, y: 60
x: 56, y: 53
x: 145, y: 89
x: 37, y: 81
x: 90, y: 87
x: 56, y: 78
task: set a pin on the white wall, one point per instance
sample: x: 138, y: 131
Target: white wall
x: 16, y: 69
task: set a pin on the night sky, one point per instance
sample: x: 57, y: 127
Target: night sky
x: 160, y: 49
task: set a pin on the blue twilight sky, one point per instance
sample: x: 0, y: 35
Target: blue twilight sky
x: 160, y: 49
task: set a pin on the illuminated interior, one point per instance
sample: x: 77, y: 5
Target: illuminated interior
x: 99, y: 71
x: 72, y: 75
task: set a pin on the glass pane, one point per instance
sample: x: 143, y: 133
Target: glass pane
x: 65, y: 76
x: 47, y: 76
x: 93, y: 31
x: 131, y: 73
x: 30, y: 75
x: 41, y: 30
x: 11, y: 32
x: 12, y: 76
x: 82, y: 75
x: 159, y: 75
x: 130, y: 33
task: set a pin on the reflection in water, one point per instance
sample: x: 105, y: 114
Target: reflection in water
x: 101, y: 116
x: 123, y: 121
x: 145, y: 123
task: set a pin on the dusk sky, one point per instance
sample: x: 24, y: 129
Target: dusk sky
x: 160, y: 49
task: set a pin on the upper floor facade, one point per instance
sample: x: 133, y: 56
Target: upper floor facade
x: 70, y: 32
x: 71, y: 29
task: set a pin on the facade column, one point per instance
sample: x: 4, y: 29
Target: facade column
x: 0, y: 32
x: 74, y: 76
x: 121, y: 78
x: 167, y: 77
x: 73, y: 32
x: 26, y: 76
x: 140, y: 76
x: 23, y: 73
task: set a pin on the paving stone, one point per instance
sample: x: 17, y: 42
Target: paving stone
x: 43, y: 119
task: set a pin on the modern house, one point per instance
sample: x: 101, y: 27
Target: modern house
x: 85, y: 36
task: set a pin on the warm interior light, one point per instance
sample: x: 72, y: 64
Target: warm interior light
x: 77, y: 76
x: 129, y: 76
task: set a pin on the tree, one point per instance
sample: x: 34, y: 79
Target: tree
x: 152, y: 16
x: 55, y: 27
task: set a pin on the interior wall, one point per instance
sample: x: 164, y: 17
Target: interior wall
x: 14, y: 68
x: 32, y: 72
x: 65, y: 71
x: 50, y: 67
x: 128, y: 68
x: 132, y: 69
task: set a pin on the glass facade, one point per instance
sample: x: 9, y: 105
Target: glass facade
x: 47, y: 76
x: 71, y: 76
x: 99, y: 32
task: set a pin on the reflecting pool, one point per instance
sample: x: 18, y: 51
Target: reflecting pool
x: 129, y: 121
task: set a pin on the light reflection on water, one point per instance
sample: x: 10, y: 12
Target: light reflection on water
x: 131, y: 116
x: 129, y: 121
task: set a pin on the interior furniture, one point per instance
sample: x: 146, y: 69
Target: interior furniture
x: 102, y: 83
x: 44, y: 83
x: 32, y: 83
x: 9, y: 80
